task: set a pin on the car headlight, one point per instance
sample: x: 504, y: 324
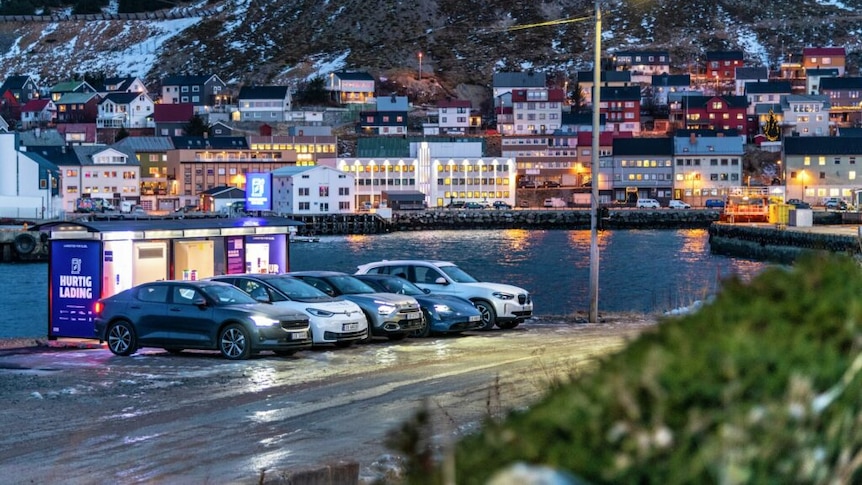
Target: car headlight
x: 262, y: 321
x: 317, y: 312
x: 385, y: 309
x: 503, y: 296
x: 440, y: 308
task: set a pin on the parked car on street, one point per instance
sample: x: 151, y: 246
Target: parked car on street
x: 527, y: 184
x: 678, y: 204
x: 501, y: 205
x: 456, y: 204
x: 550, y: 184
x: 332, y: 320
x: 443, y: 313
x: 503, y: 305
x: 389, y: 315
x: 835, y: 203
x: 648, y: 204
x: 555, y: 202
x: 714, y: 204
x: 203, y: 315
x: 475, y: 205
x: 799, y: 204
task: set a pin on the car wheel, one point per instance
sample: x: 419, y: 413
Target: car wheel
x: 508, y: 325
x: 424, y: 331
x: 369, y: 336
x: 489, y: 316
x: 122, y: 339
x: 234, y: 342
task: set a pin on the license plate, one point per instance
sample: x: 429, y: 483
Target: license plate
x: 298, y: 335
x: 349, y: 327
x: 414, y: 316
x: 476, y: 318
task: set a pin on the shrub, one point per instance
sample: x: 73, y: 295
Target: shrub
x: 763, y: 385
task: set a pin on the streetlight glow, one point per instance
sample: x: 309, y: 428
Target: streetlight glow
x: 420, y: 65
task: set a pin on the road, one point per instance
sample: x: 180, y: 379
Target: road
x: 87, y: 416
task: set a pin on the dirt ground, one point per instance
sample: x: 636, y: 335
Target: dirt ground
x: 85, y: 416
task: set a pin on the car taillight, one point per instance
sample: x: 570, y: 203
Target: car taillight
x: 98, y: 307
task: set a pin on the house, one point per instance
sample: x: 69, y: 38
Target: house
x: 845, y: 96
x: 125, y: 110
x: 266, y: 104
x: 157, y: 191
x: 58, y: 90
x: 203, y: 92
x: 38, y: 137
x: 38, y: 112
x: 746, y: 75
x: 22, y: 88
x: 822, y: 166
x: 707, y: 164
x: 453, y: 116
x: 766, y: 93
x: 805, y: 115
x: 608, y: 79
x: 622, y: 108
x: 313, y: 190
x: 663, y: 84
x: 10, y: 107
x: 824, y: 58
x: 220, y: 128
x: 106, y: 173
x: 537, y: 111
x: 78, y: 133
x: 123, y: 85
x: 393, y: 103
x: 711, y: 112
x: 383, y: 122
x: 506, y: 82
x: 171, y: 119
x: 30, y: 185
x: 78, y: 108
x: 721, y: 65
x: 646, y: 63
x: 578, y: 122
x: 642, y: 166
x: 347, y: 87
x: 220, y: 199
x: 210, y: 143
x: 813, y: 77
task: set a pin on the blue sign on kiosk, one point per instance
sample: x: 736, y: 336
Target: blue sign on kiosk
x: 76, y: 284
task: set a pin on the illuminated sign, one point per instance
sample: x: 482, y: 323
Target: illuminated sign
x: 76, y: 282
x: 258, y: 192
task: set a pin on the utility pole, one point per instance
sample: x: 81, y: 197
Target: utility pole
x: 594, y: 169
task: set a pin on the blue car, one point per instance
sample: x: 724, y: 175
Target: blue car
x: 444, y: 313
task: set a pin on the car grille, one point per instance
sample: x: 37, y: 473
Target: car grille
x: 293, y: 324
x: 523, y: 299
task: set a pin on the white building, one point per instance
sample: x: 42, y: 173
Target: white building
x: 29, y: 185
x: 442, y: 171
x: 706, y: 166
x: 125, y: 110
x: 453, y: 116
x: 300, y: 190
x: 806, y: 115
x: 101, y: 172
x: 537, y: 112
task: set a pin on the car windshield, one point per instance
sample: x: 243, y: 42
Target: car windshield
x: 396, y: 285
x: 227, y: 295
x: 348, y: 285
x: 458, y: 275
x: 298, y: 290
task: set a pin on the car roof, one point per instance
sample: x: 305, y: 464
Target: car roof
x: 317, y: 273
x: 391, y: 262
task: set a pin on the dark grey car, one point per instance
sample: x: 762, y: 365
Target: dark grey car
x: 204, y: 315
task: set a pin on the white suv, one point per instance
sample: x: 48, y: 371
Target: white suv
x: 503, y: 305
x: 648, y: 203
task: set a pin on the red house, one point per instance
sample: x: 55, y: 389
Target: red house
x: 711, y: 113
x: 721, y: 65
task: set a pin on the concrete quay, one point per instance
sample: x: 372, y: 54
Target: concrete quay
x: 783, y: 244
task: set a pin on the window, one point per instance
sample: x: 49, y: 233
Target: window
x: 304, y: 206
x: 303, y: 191
x: 323, y: 191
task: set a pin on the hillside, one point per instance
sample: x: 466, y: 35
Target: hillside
x: 462, y: 41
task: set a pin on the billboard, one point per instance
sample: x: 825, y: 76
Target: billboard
x: 75, y: 285
x: 258, y: 192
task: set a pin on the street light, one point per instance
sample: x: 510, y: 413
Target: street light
x: 420, y: 66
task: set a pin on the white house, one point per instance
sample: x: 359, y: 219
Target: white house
x: 453, y: 116
x: 266, y: 104
x: 706, y: 165
x: 806, y: 115
x: 104, y: 173
x: 29, y: 187
x: 125, y: 110
x: 312, y: 190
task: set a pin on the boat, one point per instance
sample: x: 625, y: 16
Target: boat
x: 295, y: 238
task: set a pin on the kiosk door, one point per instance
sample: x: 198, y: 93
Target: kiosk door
x: 150, y: 262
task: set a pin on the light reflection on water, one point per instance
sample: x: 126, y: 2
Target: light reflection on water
x: 639, y: 270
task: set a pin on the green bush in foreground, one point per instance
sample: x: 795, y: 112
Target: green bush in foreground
x: 764, y: 385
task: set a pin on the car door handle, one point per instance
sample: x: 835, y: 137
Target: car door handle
x: 135, y: 307
x: 175, y: 309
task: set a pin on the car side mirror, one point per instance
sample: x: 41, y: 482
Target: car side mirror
x: 200, y: 302
x: 427, y: 291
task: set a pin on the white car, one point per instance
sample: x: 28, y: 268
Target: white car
x: 332, y: 321
x: 678, y: 204
x: 648, y: 204
x: 503, y: 305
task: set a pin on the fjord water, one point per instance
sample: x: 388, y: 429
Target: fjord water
x: 639, y: 270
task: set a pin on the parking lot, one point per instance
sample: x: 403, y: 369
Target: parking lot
x: 88, y: 416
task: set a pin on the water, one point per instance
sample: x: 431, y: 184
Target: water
x: 639, y: 270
